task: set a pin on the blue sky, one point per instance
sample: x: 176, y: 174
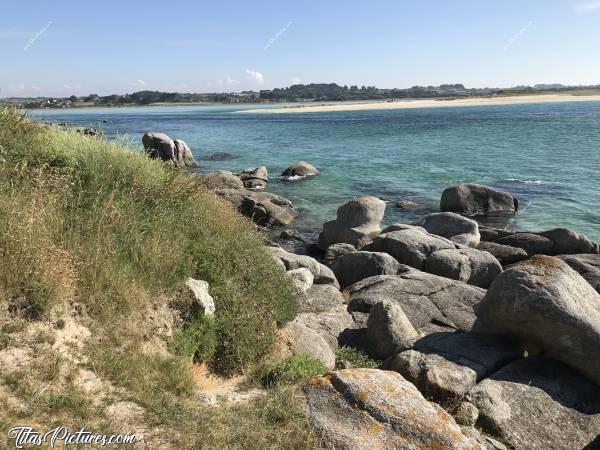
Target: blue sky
x: 69, y: 47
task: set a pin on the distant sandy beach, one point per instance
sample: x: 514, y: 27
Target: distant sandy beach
x: 412, y: 104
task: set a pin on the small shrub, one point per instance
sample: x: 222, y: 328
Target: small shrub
x: 348, y: 358
x: 293, y: 369
x: 197, y: 339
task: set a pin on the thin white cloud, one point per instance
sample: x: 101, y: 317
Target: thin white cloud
x: 587, y: 7
x: 8, y: 34
x: 257, y: 77
x: 295, y: 80
x: 515, y: 37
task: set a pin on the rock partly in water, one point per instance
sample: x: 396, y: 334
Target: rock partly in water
x: 254, y: 177
x: 545, y: 303
x: 470, y: 265
x: 263, y: 208
x: 356, y: 266
x: 430, y: 302
x: 586, y: 265
x: 504, y: 253
x: 569, y: 242
x: 201, y: 296
x: 406, y: 204
x: 222, y: 179
x: 411, y: 245
x: 357, y: 223
x: 453, y: 226
x: 445, y: 366
x: 160, y: 146
x: 388, y: 330
x: 539, y: 403
x: 371, y: 409
x: 300, y: 169
x: 475, y: 199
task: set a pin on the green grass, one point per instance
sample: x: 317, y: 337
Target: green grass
x: 87, y: 218
x: 349, y: 358
x: 291, y: 370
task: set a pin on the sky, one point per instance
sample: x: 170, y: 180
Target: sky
x: 65, y: 47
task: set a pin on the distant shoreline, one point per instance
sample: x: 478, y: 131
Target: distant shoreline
x: 425, y: 103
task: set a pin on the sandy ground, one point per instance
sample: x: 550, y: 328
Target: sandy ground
x: 411, y: 104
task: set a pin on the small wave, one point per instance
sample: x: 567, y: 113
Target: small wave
x: 293, y: 178
x: 525, y: 181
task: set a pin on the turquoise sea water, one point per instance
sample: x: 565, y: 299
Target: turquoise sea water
x: 548, y: 155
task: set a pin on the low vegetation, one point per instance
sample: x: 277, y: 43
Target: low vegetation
x: 96, y: 242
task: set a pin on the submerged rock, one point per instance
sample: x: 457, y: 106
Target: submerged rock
x: 357, y: 223
x: 376, y: 409
x: 300, y: 169
x: 475, y: 199
x: 546, y: 303
x: 219, y: 156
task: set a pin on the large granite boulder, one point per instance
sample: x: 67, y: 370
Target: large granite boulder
x: 299, y: 339
x: 568, y: 241
x: 470, y: 265
x: 539, y: 403
x: 334, y: 251
x: 503, y: 253
x: 222, y: 179
x: 357, y: 223
x: 453, y: 226
x: 388, y: 330
x: 356, y: 266
x: 411, y: 245
x: 263, y: 208
x: 445, y: 366
x: 300, y: 169
x: 320, y: 298
x: 372, y: 409
x: 475, y: 199
x: 321, y: 273
x: 254, y: 177
x: 546, y: 303
x: 586, y: 265
x: 430, y: 302
x: 160, y: 146
x: 532, y: 243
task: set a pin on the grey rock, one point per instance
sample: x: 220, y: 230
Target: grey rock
x: 356, y: 266
x: 453, y: 226
x: 219, y: 156
x: 369, y: 409
x: 504, y: 253
x: 300, y: 169
x: 221, y: 179
x: 568, y: 241
x: 301, y: 340
x: 445, y: 366
x: 357, y: 223
x: 539, y: 403
x: 292, y: 235
x: 301, y: 278
x: 546, y: 303
x: 388, y: 330
x: 321, y: 298
x: 410, y: 246
x: 335, y: 325
x: 586, y: 265
x: 160, y: 146
x: 430, y: 302
x: 263, y: 208
x: 470, y: 265
x: 475, y: 199
x: 406, y: 204
x: 254, y: 177
x: 322, y: 274
x: 184, y: 155
x: 533, y: 244
x: 491, y: 234
x: 335, y: 251
x: 466, y: 414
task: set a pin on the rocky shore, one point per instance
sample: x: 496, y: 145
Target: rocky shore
x: 487, y: 338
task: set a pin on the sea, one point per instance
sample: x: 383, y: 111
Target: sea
x: 546, y: 154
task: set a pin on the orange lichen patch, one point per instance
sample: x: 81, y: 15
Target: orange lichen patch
x: 320, y: 381
x: 362, y: 395
x: 546, y: 267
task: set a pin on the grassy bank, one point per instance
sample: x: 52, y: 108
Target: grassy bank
x: 96, y: 242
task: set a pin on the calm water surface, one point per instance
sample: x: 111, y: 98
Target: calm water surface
x: 548, y: 155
